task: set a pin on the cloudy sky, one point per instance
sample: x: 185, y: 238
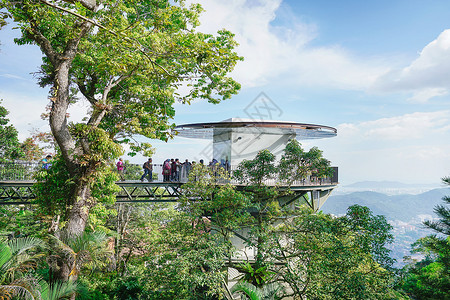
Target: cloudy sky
x: 378, y: 71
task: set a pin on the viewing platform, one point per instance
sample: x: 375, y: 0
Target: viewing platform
x: 16, y: 186
x: 233, y: 141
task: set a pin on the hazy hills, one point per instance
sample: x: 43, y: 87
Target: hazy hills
x: 404, y: 212
x: 395, y: 207
x: 385, y: 184
x: 385, y: 187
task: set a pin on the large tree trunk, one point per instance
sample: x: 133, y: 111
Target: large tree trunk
x: 78, y: 215
x: 80, y: 201
x: 58, y: 115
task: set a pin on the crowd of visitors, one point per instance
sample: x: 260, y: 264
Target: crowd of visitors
x: 172, y: 169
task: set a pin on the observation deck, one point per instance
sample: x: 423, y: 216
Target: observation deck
x: 16, y: 186
x: 234, y: 140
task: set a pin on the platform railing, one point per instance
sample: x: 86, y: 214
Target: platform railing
x: 24, y: 171
x: 18, y: 170
x: 183, y: 176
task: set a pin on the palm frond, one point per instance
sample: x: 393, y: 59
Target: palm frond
x: 25, y: 287
x: 15, y: 259
x: 5, y: 254
x: 57, y: 290
x: 248, y: 290
x: 21, y: 245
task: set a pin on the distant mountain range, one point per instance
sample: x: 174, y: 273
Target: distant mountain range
x: 404, y: 212
x: 386, y: 184
x: 385, y: 187
x: 395, y: 207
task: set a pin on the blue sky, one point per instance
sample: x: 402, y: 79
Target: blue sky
x: 378, y: 71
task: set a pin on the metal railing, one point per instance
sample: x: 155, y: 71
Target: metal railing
x: 21, y: 171
x: 18, y: 170
x: 183, y: 176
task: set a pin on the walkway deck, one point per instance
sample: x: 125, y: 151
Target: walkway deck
x: 21, y: 192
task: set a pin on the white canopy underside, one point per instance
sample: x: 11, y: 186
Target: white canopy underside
x: 300, y: 134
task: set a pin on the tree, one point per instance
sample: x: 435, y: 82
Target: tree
x: 323, y: 257
x: 31, y: 150
x: 296, y: 164
x: 9, y: 141
x: 35, y: 146
x: 130, y: 59
x: 316, y: 255
x: 187, y: 262
x: 430, y: 278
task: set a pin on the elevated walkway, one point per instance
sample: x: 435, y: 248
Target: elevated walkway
x: 16, y: 192
x: 16, y: 186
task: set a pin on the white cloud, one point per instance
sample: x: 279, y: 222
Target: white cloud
x: 411, y: 148
x: 427, y: 76
x: 426, y: 94
x: 25, y: 112
x: 273, y: 52
x: 12, y: 76
x: 406, y: 127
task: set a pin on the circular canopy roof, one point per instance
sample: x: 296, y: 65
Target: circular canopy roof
x: 300, y: 130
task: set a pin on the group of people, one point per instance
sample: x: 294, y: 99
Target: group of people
x: 172, y: 170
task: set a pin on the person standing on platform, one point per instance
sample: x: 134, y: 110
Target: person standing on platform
x: 185, y: 169
x: 148, y: 170
x: 177, y: 170
x: 167, y: 169
x: 46, y: 162
x: 120, y: 169
x: 173, y: 171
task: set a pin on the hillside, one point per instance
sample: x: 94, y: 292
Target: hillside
x: 404, y: 212
x: 397, y: 207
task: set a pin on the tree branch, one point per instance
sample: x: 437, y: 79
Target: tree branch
x: 78, y: 15
x: 131, y: 41
x: 89, y: 4
x: 44, y: 43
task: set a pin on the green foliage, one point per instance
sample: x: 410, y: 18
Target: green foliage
x: 427, y: 282
x: 257, y: 276
x: 57, y: 290
x: 52, y: 187
x: 330, y: 258
x: 9, y: 141
x: 17, y: 260
x: 226, y: 207
x: 272, y: 291
x: 188, y: 262
x: 88, y: 251
x: 257, y: 170
x: 372, y: 233
x: 20, y: 221
x: 296, y: 164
